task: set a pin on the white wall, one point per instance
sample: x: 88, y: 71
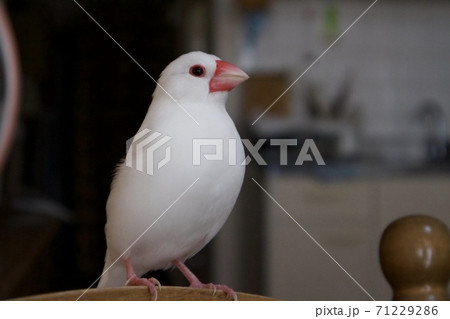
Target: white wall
x: 398, y: 52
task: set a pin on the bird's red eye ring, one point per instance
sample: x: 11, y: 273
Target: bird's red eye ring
x: 197, y: 70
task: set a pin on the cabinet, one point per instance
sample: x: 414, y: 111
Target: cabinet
x: 340, y: 220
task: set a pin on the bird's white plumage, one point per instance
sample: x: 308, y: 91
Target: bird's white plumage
x: 137, y: 199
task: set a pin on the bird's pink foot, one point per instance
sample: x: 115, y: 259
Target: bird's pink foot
x: 230, y: 292
x: 151, y: 283
x: 134, y: 280
x: 196, y: 283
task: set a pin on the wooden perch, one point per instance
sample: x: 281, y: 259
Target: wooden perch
x: 141, y: 294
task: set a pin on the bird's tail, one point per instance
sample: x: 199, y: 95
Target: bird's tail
x: 113, y: 275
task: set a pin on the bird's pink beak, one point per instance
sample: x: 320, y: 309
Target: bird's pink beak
x: 226, y: 77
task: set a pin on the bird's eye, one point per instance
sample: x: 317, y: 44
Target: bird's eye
x: 197, y: 70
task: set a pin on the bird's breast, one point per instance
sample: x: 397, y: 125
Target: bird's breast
x: 195, y: 179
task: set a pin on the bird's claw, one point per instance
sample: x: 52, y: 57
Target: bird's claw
x: 229, y: 292
x: 155, y: 282
x: 152, y: 284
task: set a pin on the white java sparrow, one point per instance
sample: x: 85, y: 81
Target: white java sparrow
x: 157, y: 220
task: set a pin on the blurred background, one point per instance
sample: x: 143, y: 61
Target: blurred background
x: 377, y: 105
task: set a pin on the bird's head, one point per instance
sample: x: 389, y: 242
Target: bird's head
x: 197, y: 76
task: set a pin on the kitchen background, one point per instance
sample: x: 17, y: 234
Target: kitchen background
x: 377, y: 105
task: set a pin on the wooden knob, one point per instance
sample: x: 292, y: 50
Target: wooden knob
x: 415, y: 258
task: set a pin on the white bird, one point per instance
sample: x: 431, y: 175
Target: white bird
x: 157, y: 221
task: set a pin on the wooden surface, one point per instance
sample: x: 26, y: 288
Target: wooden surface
x: 141, y: 294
